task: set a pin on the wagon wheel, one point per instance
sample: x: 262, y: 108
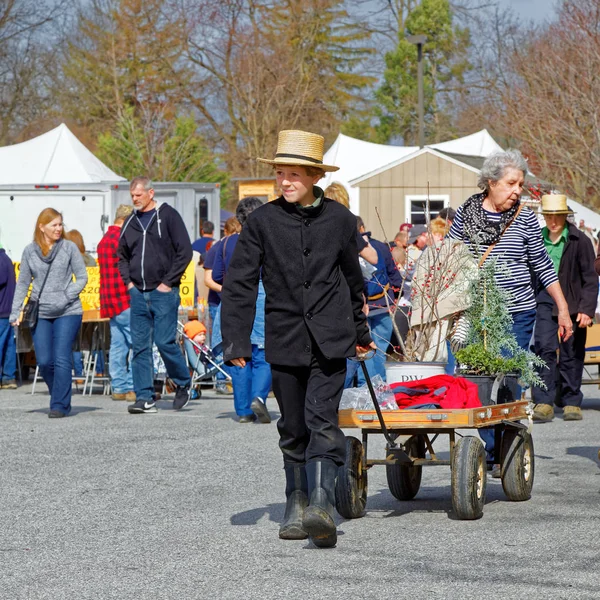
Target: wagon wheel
x: 469, y: 478
x: 517, y: 464
x: 404, y: 480
x: 351, y: 486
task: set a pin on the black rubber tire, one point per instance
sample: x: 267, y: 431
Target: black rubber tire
x: 404, y: 481
x: 351, y: 485
x: 469, y: 478
x: 518, y: 464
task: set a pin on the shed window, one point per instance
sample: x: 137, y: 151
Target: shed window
x: 416, y: 207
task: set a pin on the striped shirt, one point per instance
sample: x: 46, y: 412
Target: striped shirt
x: 519, y: 253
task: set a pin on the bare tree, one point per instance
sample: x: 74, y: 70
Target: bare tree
x: 27, y: 31
x: 266, y: 66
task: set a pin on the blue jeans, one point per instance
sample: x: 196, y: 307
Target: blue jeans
x: 381, y: 333
x: 522, y: 329
x: 53, y: 343
x: 8, y: 351
x: 120, y: 346
x: 213, y: 309
x: 251, y: 381
x: 154, y: 320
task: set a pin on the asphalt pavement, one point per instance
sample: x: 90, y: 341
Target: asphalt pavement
x: 187, y: 504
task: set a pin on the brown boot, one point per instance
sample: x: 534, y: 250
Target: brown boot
x: 116, y: 396
x: 572, y: 413
x: 543, y: 413
x: 130, y: 396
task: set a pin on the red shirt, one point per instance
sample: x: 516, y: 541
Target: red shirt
x: 114, y: 298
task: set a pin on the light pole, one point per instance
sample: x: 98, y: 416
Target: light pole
x: 419, y: 40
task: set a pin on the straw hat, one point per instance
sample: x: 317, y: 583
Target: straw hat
x: 193, y: 328
x: 299, y: 148
x: 555, y: 204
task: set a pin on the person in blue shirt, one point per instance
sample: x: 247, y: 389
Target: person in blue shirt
x: 232, y: 226
x: 204, y: 242
x: 8, y: 348
x: 252, y: 383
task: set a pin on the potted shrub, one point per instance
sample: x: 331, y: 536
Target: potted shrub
x: 491, y: 354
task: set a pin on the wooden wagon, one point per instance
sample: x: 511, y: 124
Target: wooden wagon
x: 419, y: 429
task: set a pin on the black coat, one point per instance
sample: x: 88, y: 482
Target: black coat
x: 162, y: 257
x: 576, y: 275
x: 312, y: 280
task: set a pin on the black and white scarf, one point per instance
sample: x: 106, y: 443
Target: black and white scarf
x: 478, y: 227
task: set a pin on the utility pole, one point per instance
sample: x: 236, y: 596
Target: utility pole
x: 419, y: 40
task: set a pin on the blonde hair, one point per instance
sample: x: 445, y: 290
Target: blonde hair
x: 122, y: 212
x: 439, y: 226
x: 74, y: 236
x: 46, y: 216
x: 336, y: 191
x: 232, y: 225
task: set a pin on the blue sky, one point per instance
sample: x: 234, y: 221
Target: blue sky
x: 531, y: 10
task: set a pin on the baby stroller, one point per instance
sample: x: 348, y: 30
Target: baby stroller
x: 202, y: 362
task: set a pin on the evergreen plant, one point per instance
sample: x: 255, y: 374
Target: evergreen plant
x: 492, y: 348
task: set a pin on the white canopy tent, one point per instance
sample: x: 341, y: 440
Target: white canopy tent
x: 55, y: 157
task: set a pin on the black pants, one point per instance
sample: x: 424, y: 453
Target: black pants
x: 308, y: 399
x: 570, y: 363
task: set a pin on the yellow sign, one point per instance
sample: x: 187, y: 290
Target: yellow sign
x: 90, y: 295
x: 186, y: 288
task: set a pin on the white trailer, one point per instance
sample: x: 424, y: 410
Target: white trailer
x: 90, y: 208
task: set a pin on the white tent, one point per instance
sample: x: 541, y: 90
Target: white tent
x: 476, y: 144
x: 55, y: 157
x: 357, y: 158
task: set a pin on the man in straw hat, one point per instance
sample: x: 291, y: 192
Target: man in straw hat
x: 572, y: 254
x: 305, y: 245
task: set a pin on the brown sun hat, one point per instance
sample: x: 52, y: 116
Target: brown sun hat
x: 295, y: 147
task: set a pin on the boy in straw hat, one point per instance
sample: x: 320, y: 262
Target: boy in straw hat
x: 573, y: 256
x: 305, y: 245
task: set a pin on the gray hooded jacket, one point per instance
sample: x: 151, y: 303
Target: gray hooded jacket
x: 60, y: 296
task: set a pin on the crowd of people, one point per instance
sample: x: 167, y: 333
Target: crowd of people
x: 296, y: 289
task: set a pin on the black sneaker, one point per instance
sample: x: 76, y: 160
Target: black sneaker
x: 142, y: 406
x: 56, y: 414
x: 9, y: 384
x: 182, y: 397
x: 260, y: 410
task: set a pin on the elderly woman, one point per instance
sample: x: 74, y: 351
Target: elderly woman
x: 497, y: 227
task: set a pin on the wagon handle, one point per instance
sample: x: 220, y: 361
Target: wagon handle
x: 386, y: 434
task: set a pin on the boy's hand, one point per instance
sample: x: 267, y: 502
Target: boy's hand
x: 364, y: 352
x: 238, y: 362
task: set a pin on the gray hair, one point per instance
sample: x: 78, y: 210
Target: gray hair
x: 495, y: 166
x: 145, y: 182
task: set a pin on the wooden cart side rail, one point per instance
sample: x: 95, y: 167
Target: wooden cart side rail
x: 467, y: 418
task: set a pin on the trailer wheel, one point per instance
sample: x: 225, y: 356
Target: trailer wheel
x: 351, y: 486
x: 404, y: 481
x: 469, y: 478
x: 517, y: 464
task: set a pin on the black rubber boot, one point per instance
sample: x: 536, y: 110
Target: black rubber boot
x: 318, y: 517
x: 296, y: 492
